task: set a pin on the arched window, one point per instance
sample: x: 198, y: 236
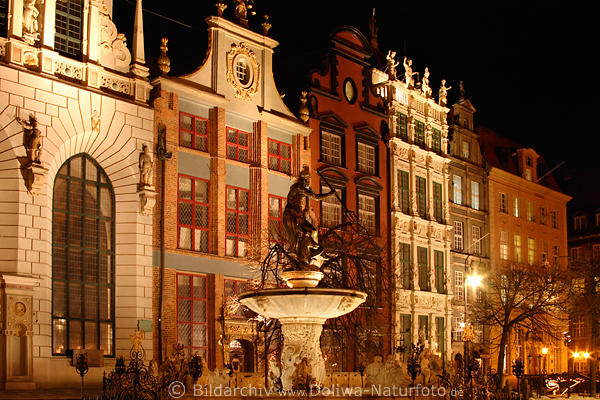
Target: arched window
x: 83, y: 255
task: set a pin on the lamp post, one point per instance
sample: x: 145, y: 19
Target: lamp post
x: 473, y: 281
x: 567, y: 339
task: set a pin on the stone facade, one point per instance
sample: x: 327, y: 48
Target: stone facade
x: 420, y: 230
x: 80, y: 108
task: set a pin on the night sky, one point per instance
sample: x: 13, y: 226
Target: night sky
x: 526, y: 65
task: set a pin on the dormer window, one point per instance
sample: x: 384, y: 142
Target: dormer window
x: 579, y: 223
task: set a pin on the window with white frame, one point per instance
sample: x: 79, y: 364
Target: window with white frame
x: 331, y: 147
x: 457, y: 189
x: 530, y: 251
x: 331, y: 208
x: 367, y: 212
x: 466, y: 149
x: 502, y: 200
x: 365, y: 158
x: 237, y: 214
x: 458, y: 235
x: 476, y: 238
x: 516, y: 207
x: 518, y: 249
x: 459, y: 286
x: 475, y: 203
x: 530, y: 217
x: 457, y: 329
x: 503, y: 245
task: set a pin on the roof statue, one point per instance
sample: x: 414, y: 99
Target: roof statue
x: 461, y: 88
x: 408, y: 73
x: 443, y: 93
x: 391, y: 64
x: 425, y: 88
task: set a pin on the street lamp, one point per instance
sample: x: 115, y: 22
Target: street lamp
x: 474, y: 281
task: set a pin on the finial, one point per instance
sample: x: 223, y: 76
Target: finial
x: 164, y: 64
x: 266, y: 25
x: 221, y: 6
x: 303, y: 110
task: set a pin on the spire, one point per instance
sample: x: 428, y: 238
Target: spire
x: 373, y: 30
x: 139, y: 58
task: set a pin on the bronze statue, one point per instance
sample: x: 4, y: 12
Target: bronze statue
x: 32, y: 139
x: 145, y: 165
x: 298, y: 228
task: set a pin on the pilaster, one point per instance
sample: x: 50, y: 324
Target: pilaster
x: 259, y: 197
x: 217, y: 147
x: 15, y: 24
x: 48, y: 26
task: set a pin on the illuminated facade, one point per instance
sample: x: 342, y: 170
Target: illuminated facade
x: 420, y: 215
x: 234, y: 151
x: 76, y: 224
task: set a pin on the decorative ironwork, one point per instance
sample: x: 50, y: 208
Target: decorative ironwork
x: 141, y: 381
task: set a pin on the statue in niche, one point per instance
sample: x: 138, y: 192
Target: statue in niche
x: 408, y: 74
x: 425, y: 84
x: 30, y: 15
x: 145, y: 164
x: 391, y: 64
x: 299, y: 230
x: 32, y: 139
x: 443, y: 93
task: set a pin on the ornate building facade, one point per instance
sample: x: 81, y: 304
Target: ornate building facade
x: 76, y: 223
x: 231, y: 149
x: 469, y: 218
x: 420, y: 233
x: 349, y: 153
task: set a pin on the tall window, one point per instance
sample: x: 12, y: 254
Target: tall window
x: 276, y: 206
x: 331, y: 148
x: 459, y: 285
x: 503, y: 245
x: 531, y: 251
x: 502, y: 199
x: 530, y: 211
x: 419, y: 133
x: 518, y: 251
x: 406, y: 322
x: 578, y: 325
x: 83, y: 258
x: 192, y: 214
x: 421, y: 196
x: 476, y: 238
x: 554, y: 219
x: 516, y: 207
x: 437, y: 202
x: 457, y: 189
x: 365, y: 158
x: 236, y: 243
x: 193, y: 132
x: 402, y: 127
x: 237, y: 145
x: 475, y: 199
x: 331, y: 208
x: 580, y: 223
x: 555, y: 256
x: 68, y: 27
x: 440, y: 329
x: 192, y: 327
x: 423, y: 264
x: 405, y: 264
x: 436, y: 140
x: 367, y: 212
x: 466, y: 149
x: 458, y: 235
x: 403, y: 192
x: 543, y: 215
x: 440, y: 271
x: 280, y: 156
x: 457, y: 329
x: 373, y: 274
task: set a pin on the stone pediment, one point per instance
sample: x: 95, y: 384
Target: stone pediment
x: 366, y: 130
x: 331, y: 118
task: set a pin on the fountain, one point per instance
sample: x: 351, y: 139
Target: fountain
x: 302, y: 308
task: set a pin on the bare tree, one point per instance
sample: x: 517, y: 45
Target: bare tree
x: 585, y: 299
x: 534, y: 298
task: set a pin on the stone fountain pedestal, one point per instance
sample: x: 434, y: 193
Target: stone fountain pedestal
x: 302, y: 309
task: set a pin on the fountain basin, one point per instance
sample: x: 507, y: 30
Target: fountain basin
x: 302, y: 313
